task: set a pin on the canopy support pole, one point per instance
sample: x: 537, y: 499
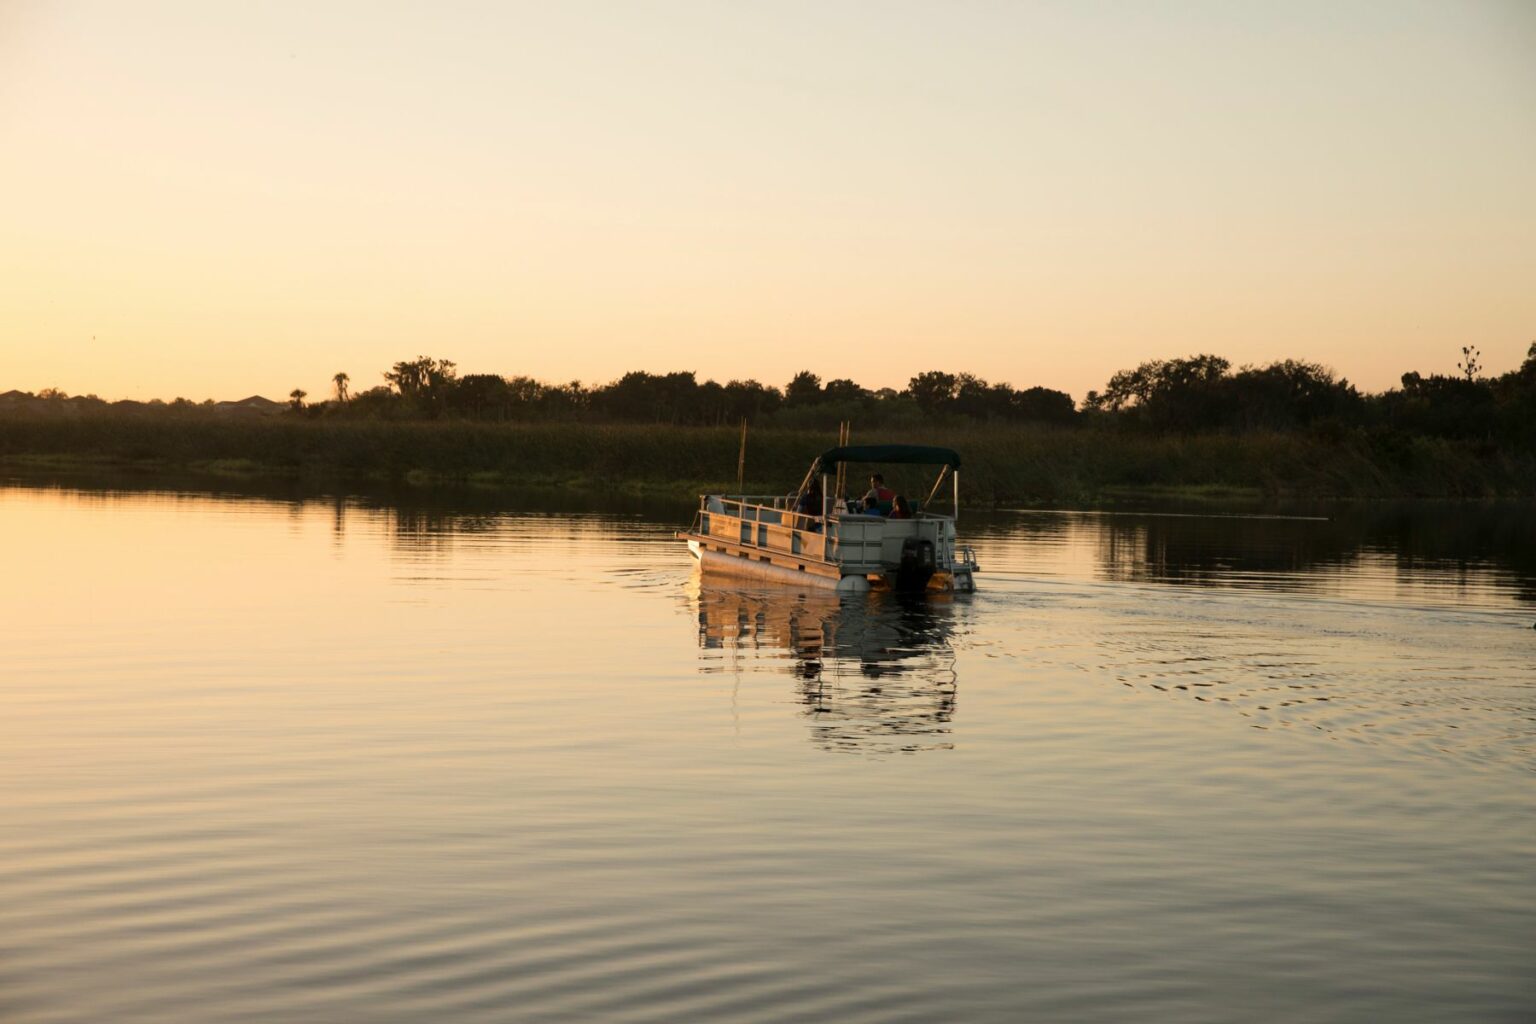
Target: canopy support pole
x: 929, y: 500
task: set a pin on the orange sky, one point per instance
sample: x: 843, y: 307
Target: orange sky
x: 212, y: 200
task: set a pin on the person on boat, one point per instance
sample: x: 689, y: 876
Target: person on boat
x: 900, y: 509
x: 879, y: 493
x: 810, y: 502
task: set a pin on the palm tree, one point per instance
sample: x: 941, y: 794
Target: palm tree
x: 342, y: 380
x: 296, y: 398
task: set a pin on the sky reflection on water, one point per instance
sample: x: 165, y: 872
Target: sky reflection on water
x: 295, y: 757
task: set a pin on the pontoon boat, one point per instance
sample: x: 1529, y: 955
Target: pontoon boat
x: 835, y: 541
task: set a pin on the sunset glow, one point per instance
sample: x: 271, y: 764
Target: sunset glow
x: 213, y: 201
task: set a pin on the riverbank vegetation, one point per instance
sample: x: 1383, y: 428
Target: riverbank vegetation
x: 1183, y: 425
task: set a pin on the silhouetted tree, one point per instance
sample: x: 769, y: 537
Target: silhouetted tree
x: 1440, y: 406
x: 650, y: 398
x: 1516, y: 395
x: 843, y: 390
x: 749, y: 399
x: 561, y: 401
x: 1289, y: 394
x: 341, y: 380
x: 378, y: 402
x: 424, y: 383
x: 1470, y: 366
x: 482, y: 396
x: 973, y: 397
x: 803, y: 389
x: 933, y: 391
x: 1182, y: 394
x: 1044, y: 405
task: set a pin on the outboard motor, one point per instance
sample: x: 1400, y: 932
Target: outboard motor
x: 917, y: 564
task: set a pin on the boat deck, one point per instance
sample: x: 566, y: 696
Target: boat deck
x: 760, y: 536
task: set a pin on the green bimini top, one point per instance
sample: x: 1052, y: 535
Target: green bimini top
x: 919, y: 454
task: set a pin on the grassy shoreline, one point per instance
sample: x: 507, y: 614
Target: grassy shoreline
x: 1002, y: 464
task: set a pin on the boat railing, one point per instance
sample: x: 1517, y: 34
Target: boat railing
x: 763, y: 523
x: 774, y: 509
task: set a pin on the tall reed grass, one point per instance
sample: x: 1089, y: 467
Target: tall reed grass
x: 1001, y: 464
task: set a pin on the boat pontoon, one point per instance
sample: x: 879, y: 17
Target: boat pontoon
x: 833, y: 541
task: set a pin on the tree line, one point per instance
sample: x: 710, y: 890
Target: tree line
x: 431, y: 388
x: 1203, y: 394
x: 1200, y: 394
x: 1197, y: 394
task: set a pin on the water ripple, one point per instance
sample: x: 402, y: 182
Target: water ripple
x: 342, y: 760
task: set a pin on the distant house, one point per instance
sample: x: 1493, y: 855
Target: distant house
x: 27, y: 405
x: 248, y: 406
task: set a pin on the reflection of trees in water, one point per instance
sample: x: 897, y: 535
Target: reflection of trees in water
x: 1180, y: 549
x: 1453, y: 541
x: 411, y: 530
x: 427, y: 531
x: 1467, y: 539
x: 1457, y: 544
x: 430, y: 532
x: 416, y: 520
x: 874, y: 673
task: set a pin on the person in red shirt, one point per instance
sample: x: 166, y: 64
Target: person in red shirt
x: 880, y: 494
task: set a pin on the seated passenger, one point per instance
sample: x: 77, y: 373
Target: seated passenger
x: 880, y: 494
x: 810, y: 502
x: 901, y: 510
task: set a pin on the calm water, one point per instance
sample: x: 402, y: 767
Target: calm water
x: 321, y: 759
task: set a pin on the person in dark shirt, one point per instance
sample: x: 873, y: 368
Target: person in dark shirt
x: 900, y: 509
x: 810, y: 504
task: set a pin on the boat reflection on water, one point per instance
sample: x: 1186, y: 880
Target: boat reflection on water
x: 874, y: 673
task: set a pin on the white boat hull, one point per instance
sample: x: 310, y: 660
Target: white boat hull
x: 749, y: 568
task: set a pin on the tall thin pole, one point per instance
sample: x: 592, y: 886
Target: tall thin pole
x: 844, y: 431
x: 741, y: 460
